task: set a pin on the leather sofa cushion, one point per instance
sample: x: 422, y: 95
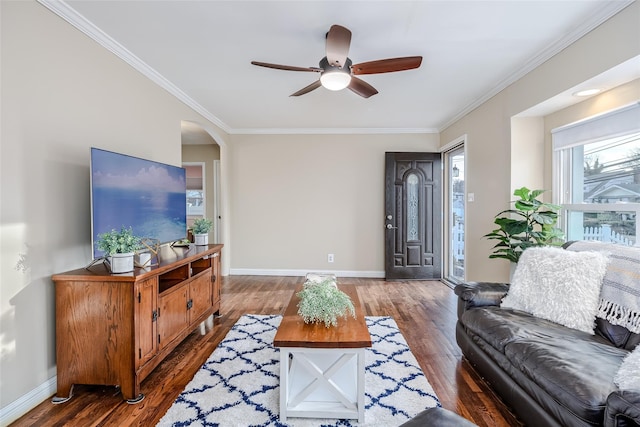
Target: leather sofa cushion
x: 577, y: 372
x: 618, y: 335
x: 623, y: 409
x: 501, y: 326
x: 438, y: 417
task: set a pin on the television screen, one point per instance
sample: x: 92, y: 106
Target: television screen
x: 148, y: 196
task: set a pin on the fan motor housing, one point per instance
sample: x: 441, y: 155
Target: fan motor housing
x: 324, y: 64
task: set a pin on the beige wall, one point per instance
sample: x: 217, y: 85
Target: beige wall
x: 61, y: 94
x: 527, y: 153
x: 297, y: 198
x: 489, y: 152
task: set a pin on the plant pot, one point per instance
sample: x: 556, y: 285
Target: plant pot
x: 201, y: 239
x: 121, y: 263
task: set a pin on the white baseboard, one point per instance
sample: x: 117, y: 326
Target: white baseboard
x: 27, y: 402
x: 302, y: 273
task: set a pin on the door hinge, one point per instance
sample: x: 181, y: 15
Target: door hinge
x: 139, y: 298
x: 139, y: 353
x: 154, y: 315
x: 158, y: 338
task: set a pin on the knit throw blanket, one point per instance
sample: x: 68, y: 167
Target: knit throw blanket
x: 620, y: 293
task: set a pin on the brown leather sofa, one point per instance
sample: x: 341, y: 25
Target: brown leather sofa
x: 550, y: 375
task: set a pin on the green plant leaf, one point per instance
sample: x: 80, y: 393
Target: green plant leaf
x: 546, y: 218
x: 512, y: 226
x: 535, y: 193
x: 522, y: 192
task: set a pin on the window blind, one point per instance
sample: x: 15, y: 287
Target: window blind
x: 612, y: 124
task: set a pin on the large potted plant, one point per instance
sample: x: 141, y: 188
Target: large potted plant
x: 531, y: 223
x: 200, y: 230
x: 119, y: 248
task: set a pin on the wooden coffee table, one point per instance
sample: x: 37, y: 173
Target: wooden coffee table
x: 322, y: 369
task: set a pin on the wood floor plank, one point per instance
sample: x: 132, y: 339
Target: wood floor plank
x: 425, y: 312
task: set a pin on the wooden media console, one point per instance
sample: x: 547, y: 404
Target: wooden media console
x: 114, y: 329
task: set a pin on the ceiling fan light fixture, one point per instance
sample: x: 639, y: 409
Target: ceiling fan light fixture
x: 335, y: 80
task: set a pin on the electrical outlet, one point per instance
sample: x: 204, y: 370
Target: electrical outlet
x: 330, y: 258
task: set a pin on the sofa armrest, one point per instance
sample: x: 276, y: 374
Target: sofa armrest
x: 479, y: 294
x: 623, y: 409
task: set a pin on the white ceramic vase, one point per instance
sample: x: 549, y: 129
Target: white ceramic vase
x: 201, y: 239
x: 121, y: 263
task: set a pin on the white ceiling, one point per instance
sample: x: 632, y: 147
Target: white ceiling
x: 201, y: 51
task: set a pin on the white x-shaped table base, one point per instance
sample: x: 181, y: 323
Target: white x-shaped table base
x: 322, y: 383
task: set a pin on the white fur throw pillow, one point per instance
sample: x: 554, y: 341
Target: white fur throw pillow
x: 558, y: 285
x: 628, y: 375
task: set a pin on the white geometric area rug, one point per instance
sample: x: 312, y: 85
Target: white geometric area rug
x: 239, y: 384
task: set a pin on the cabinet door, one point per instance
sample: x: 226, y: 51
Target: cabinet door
x: 146, y: 311
x: 173, y: 317
x: 200, y: 294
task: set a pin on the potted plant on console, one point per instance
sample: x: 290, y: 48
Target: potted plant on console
x: 531, y: 223
x: 119, y: 248
x: 200, y: 230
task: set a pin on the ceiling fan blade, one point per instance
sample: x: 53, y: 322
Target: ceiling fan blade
x: 307, y: 89
x: 387, y: 65
x: 361, y: 87
x: 286, y: 67
x: 338, y: 42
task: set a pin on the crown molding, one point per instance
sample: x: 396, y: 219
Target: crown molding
x: 66, y: 12
x: 607, y: 10
x: 332, y: 131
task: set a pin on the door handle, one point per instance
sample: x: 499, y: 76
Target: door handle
x: 390, y: 227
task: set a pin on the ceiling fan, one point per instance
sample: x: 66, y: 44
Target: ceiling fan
x: 336, y: 70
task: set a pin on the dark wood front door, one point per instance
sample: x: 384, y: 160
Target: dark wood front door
x: 413, y: 216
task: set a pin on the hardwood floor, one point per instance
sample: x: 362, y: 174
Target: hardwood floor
x: 424, y: 310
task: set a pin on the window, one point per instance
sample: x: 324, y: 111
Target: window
x: 597, y: 177
x: 195, y: 191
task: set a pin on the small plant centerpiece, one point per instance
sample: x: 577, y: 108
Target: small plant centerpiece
x: 200, y: 230
x: 119, y: 247
x: 531, y: 223
x: 322, y: 302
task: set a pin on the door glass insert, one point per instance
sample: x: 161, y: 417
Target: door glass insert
x: 412, y: 206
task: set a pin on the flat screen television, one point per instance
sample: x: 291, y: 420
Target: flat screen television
x: 148, y: 196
